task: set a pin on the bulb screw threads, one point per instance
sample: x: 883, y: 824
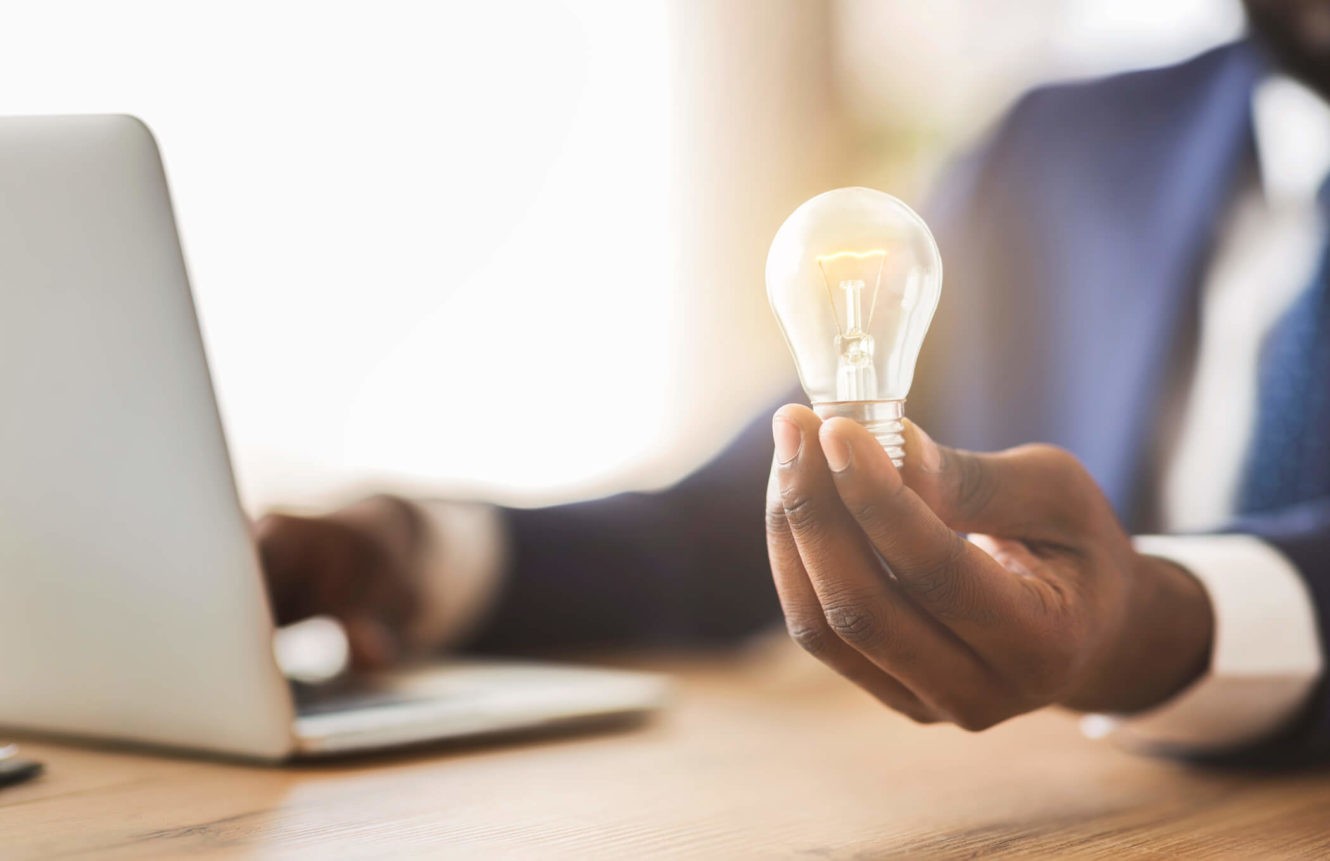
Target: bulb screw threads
x: 883, y: 419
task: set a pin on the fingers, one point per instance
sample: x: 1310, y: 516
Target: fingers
x: 320, y: 566
x: 808, y: 626
x: 289, y: 549
x: 953, y: 580
x: 371, y: 644
x: 855, y: 598
x: 1010, y: 554
x: 1034, y: 492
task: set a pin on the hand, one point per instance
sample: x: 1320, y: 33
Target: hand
x: 358, y: 565
x: 1047, y: 603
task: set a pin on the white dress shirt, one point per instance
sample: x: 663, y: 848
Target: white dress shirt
x: 1266, y: 656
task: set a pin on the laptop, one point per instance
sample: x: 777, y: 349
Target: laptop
x: 132, y: 605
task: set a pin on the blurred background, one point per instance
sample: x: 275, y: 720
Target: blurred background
x: 514, y: 249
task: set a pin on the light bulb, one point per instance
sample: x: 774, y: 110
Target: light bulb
x: 854, y: 277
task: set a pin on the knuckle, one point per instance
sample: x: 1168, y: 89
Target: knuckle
x: 811, y: 636
x: 1056, y: 458
x: 777, y: 523
x: 939, y: 582
x: 970, y: 715
x: 866, y: 511
x: 1057, y: 465
x: 800, y: 511
x: 1081, y: 501
x: 854, y: 624
x: 974, y: 486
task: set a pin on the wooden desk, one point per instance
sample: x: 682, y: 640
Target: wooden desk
x: 760, y: 758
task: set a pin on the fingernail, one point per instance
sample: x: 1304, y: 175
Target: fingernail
x: 836, y: 451
x: 787, y: 437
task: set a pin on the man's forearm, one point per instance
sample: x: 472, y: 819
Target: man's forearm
x: 686, y: 565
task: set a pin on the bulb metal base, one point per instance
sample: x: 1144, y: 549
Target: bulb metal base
x: 880, y: 418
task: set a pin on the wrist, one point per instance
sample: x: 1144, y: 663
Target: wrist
x: 462, y: 570
x: 1162, y: 644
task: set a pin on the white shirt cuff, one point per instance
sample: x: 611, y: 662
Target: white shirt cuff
x: 1266, y: 657
x: 466, y: 554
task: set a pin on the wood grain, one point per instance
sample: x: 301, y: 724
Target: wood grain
x: 759, y: 758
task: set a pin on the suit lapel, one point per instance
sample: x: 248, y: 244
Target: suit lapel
x: 1075, y: 245
x: 1150, y: 238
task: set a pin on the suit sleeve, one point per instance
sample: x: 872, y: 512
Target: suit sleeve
x: 686, y: 565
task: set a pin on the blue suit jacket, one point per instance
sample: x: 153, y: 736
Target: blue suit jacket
x: 1074, y: 242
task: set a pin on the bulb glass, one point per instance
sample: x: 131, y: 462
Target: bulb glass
x: 854, y: 277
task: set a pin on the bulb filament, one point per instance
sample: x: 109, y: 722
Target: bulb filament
x: 856, y: 378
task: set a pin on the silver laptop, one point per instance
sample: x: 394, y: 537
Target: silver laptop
x: 132, y: 606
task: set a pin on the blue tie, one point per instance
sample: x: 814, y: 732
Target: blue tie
x: 1289, y: 458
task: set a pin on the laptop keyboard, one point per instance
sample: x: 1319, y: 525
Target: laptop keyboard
x: 345, y: 696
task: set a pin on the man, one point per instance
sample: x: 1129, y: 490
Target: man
x: 1135, y: 274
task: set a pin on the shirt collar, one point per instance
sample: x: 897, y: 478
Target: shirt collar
x: 1292, y: 128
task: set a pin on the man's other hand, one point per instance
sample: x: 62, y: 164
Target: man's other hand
x: 359, y: 565
x: 1046, y: 603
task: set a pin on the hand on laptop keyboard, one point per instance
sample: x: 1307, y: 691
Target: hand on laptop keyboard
x: 358, y: 565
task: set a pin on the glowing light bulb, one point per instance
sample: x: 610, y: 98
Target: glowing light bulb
x: 854, y: 277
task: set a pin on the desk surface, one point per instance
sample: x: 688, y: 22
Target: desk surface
x: 760, y: 757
